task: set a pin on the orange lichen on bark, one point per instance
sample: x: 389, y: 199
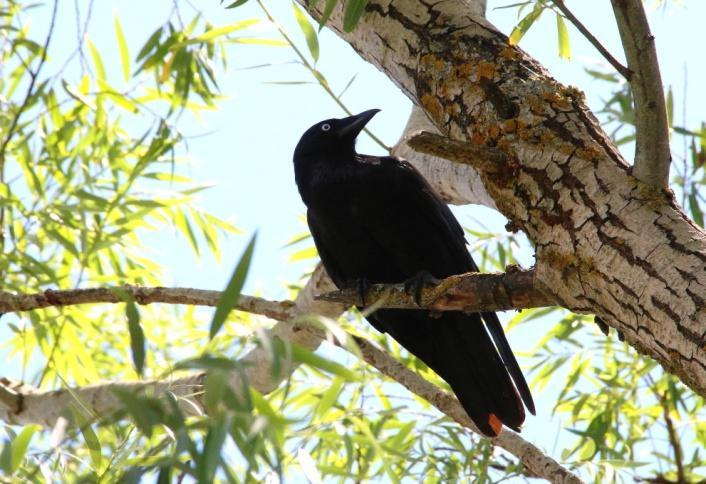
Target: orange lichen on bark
x: 430, y: 61
x: 487, y: 70
x: 510, y: 126
x: 557, y: 101
x: 510, y: 53
x: 432, y: 106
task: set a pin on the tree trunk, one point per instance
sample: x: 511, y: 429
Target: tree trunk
x: 606, y: 243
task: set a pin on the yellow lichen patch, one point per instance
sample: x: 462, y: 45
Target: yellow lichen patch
x: 494, y: 131
x: 546, y: 136
x: 464, y: 70
x: 536, y: 105
x: 557, y: 101
x: 588, y: 153
x: 452, y: 109
x: 504, y: 144
x: 432, y: 106
x: 566, y: 149
x: 487, y: 70
x: 432, y: 62
x: 509, y: 125
x: 510, y: 53
x: 478, y: 138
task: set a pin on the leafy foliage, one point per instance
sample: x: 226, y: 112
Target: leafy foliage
x: 91, y: 162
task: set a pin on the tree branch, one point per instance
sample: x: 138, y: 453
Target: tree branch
x: 456, y: 183
x: 624, y: 71
x: 470, y: 292
x: 652, y: 154
x: 515, y: 289
x: 22, y: 404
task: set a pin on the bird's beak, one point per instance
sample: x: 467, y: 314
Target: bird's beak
x: 353, y: 125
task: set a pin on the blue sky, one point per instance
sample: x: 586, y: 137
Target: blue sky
x: 251, y: 136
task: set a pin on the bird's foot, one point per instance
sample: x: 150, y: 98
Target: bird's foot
x: 361, y: 286
x: 415, y: 284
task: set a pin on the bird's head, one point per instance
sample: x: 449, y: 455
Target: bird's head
x: 333, y: 137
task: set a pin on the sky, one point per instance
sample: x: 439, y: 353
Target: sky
x: 245, y: 147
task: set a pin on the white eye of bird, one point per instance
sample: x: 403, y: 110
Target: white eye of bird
x: 325, y: 127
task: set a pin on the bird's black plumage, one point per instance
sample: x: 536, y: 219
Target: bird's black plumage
x: 376, y: 219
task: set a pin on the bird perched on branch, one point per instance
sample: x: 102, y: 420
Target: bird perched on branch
x: 377, y: 220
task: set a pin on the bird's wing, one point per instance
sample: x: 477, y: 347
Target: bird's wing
x: 448, y: 237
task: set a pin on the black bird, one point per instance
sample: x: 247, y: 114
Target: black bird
x: 377, y: 220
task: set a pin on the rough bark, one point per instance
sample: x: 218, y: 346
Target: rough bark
x: 456, y: 183
x: 606, y: 243
x: 470, y: 292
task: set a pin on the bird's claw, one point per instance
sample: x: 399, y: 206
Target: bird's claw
x: 415, y: 284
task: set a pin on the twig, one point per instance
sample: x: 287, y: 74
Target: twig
x: 9, y: 302
x: 652, y: 155
x: 626, y: 73
x: 315, y: 73
x: 673, y: 440
x: 16, y: 119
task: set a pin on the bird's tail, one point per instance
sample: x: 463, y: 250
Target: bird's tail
x: 459, y: 349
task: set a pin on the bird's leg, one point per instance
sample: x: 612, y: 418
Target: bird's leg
x: 415, y: 284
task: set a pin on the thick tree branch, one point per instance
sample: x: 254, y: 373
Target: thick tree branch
x: 605, y: 242
x: 470, y: 292
x: 457, y: 184
x: 652, y: 154
x: 22, y: 404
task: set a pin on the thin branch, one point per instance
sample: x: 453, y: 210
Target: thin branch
x: 470, y: 292
x: 624, y: 71
x: 673, y: 439
x: 16, y: 119
x: 23, y: 404
x: 652, y: 155
x: 9, y: 302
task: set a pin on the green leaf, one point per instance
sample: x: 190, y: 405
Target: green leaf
x: 312, y: 40
x: 145, y: 411
x: 328, y: 10
x: 354, y: 10
x: 232, y: 291
x: 6, y: 458
x: 329, y: 397
x: 122, y: 46
x: 588, y: 449
x: 183, y: 224
x: 237, y: 3
x: 670, y: 107
x: 137, y: 335
x: 696, y: 212
x: 523, y: 25
x: 307, y: 357
x: 563, y: 38
x: 97, y: 61
x: 20, y: 444
x: 211, y: 456
x: 92, y: 442
x: 221, y: 31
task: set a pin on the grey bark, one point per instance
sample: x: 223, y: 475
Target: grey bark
x: 606, y: 243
